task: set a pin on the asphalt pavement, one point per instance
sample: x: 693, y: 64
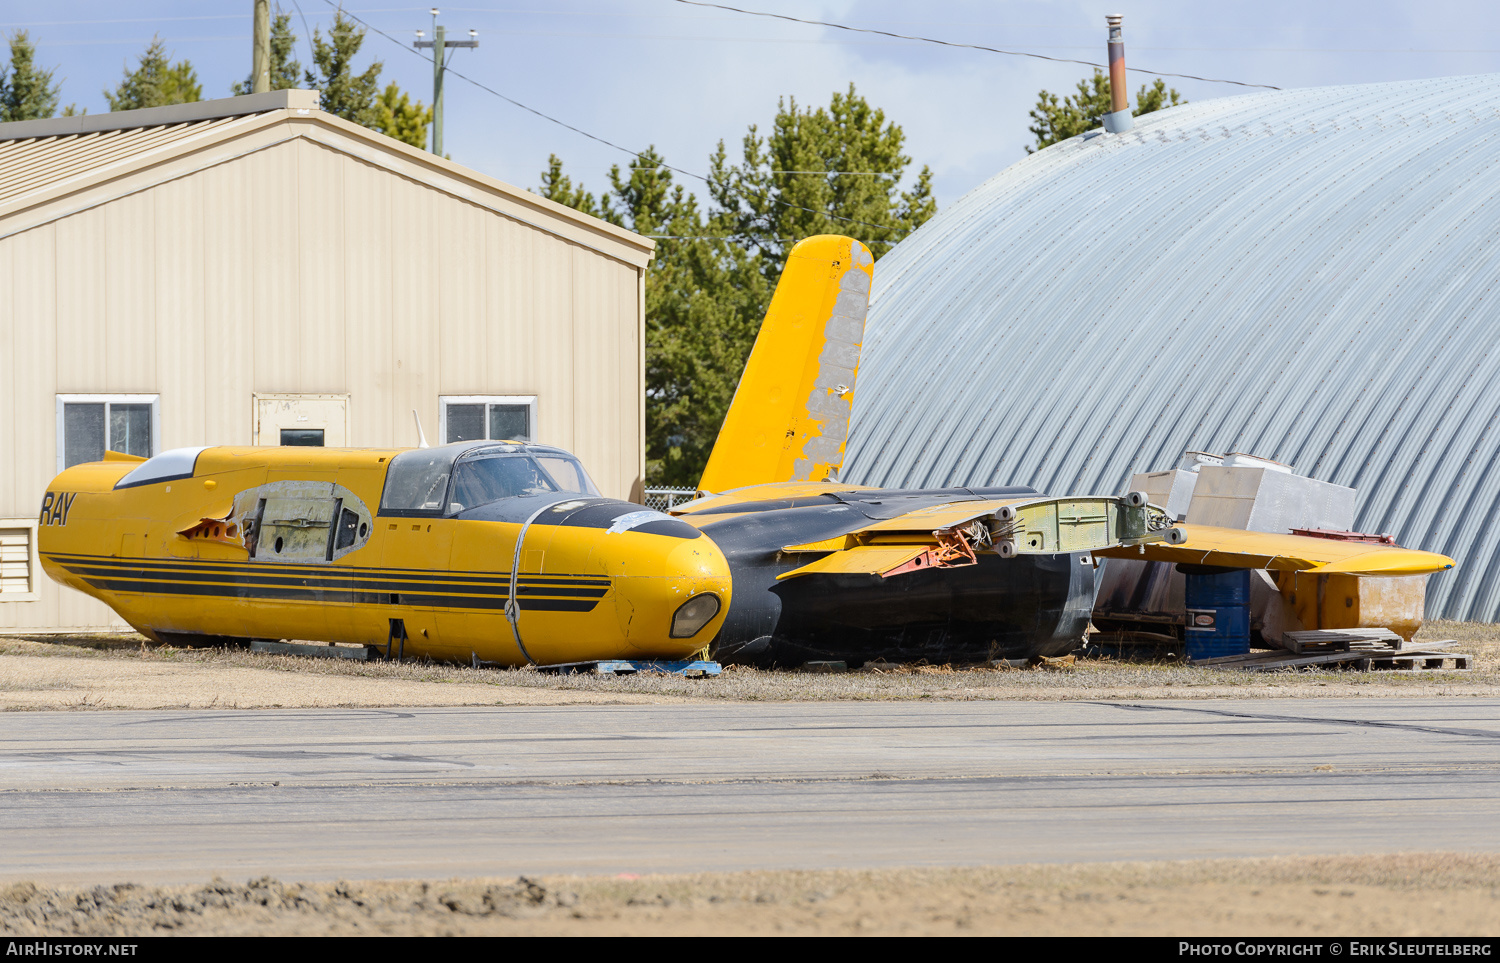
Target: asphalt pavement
x: 182, y: 795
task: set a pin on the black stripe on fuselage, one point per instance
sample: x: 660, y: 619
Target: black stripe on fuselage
x: 187, y: 566
x: 242, y: 591
x: 309, y: 584
x: 332, y: 581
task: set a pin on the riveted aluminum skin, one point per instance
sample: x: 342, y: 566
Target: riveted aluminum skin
x: 1309, y: 275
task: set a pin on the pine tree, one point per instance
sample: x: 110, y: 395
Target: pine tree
x: 26, y: 91
x: 349, y: 95
x: 819, y: 171
x: 711, y: 280
x: 156, y: 82
x: 396, y: 116
x: 1057, y: 120
x: 557, y: 186
x: 286, y: 72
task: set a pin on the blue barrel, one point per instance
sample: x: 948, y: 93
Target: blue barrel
x: 1218, y: 612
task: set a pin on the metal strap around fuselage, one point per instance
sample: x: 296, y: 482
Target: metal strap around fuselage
x: 512, y: 606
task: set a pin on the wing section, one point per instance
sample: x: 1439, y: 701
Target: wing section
x: 955, y: 534
x: 861, y: 560
x: 1235, y: 548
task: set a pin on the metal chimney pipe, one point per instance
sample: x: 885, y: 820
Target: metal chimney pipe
x: 1120, y: 118
x: 260, y: 51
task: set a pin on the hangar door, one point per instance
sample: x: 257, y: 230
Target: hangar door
x: 314, y: 420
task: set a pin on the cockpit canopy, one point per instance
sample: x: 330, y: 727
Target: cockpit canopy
x: 458, y: 477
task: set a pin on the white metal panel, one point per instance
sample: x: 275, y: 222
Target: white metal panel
x: 127, y: 328
x: 512, y: 325
x: 13, y: 380
x: 368, y: 272
x: 596, y: 349
x: 461, y: 292
x: 230, y: 205
x: 81, y: 265
x: 553, y: 345
x: 275, y: 269
x: 322, y: 323
x: 415, y: 226
x: 183, y: 369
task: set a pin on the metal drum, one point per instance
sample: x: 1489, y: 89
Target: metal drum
x: 1218, y: 612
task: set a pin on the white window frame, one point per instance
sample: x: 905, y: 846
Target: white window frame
x: 34, y: 563
x: 445, y: 400
x: 153, y: 400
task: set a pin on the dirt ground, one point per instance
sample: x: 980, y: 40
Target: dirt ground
x: 1432, y: 894
x: 1403, y: 895
x: 126, y: 672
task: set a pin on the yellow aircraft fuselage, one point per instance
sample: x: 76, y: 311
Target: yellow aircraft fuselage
x: 336, y: 545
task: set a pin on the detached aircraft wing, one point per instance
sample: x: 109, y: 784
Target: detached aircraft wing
x: 1233, y: 548
x: 944, y: 536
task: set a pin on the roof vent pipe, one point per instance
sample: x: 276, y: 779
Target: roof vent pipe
x: 1120, y: 120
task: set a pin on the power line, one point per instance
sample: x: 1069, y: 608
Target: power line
x: 967, y: 46
x: 713, y: 237
x: 579, y: 130
x: 841, y: 173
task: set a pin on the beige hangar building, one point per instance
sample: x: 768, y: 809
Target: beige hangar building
x: 256, y: 271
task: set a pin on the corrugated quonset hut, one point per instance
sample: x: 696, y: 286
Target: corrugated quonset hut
x: 1308, y: 275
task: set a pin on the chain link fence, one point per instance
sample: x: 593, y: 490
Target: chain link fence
x: 663, y: 499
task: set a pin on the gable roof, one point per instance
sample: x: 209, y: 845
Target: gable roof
x: 52, y: 168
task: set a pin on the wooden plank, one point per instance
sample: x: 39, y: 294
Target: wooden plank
x: 1287, y: 660
x: 1316, y: 635
x: 1240, y: 659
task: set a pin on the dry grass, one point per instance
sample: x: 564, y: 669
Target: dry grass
x: 1433, y: 894
x: 1085, y: 679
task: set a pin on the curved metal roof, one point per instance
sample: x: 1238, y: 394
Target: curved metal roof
x: 1308, y: 275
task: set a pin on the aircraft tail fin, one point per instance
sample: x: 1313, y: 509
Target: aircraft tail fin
x: 790, y: 415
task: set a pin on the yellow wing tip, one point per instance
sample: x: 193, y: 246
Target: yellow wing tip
x: 1390, y: 562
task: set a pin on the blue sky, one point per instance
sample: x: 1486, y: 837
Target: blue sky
x: 639, y: 72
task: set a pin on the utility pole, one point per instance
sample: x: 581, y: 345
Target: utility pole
x: 440, y: 44
x: 260, y: 52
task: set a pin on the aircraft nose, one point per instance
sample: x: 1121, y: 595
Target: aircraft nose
x: 671, y: 593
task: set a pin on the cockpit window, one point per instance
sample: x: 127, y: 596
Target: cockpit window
x: 484, y: 477
x: 168, y: 466
x: 417, y: 481
x: 456, y: 478
x: 568, y: 474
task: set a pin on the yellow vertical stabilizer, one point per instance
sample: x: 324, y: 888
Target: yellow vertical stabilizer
x: 790, y: 415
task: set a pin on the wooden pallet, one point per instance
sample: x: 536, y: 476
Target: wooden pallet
x: 1329, y: 640
x: 1428, y: 655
